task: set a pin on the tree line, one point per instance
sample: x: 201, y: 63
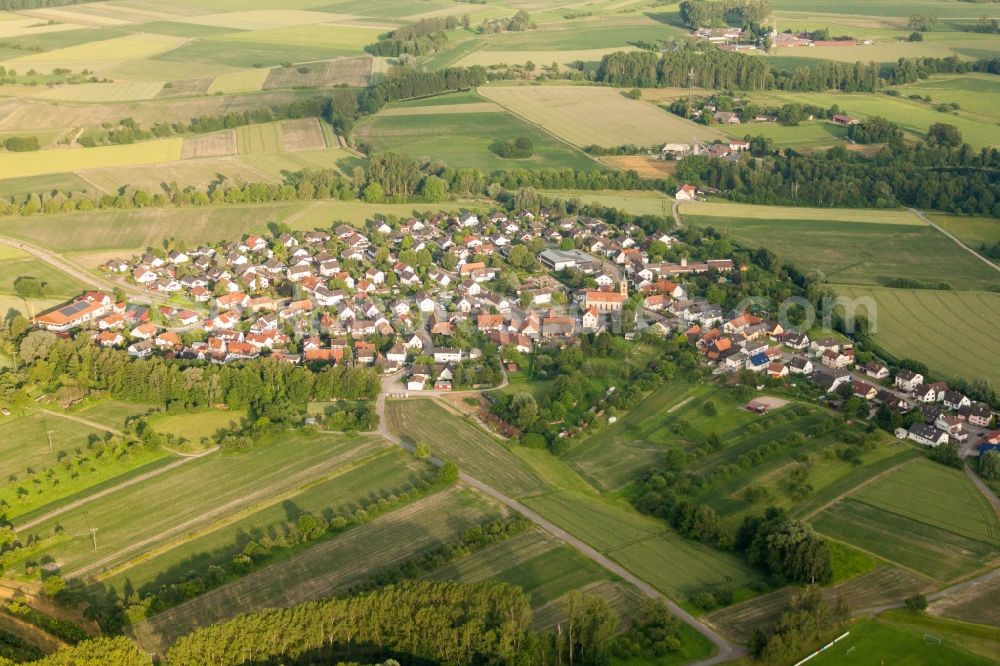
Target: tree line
x: 704, y: 13
x: 940, y: 173
x: 416, y: 39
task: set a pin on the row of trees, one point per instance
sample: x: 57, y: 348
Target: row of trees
x: 940, y: 173
x: 713, y: 68
x: 705, y: 13
x: 416, y: 39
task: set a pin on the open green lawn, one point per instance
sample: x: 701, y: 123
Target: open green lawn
x: 814, y: 134
x: 329, y: 567
x: 641, y: 202
x: 193, y: 427
x: 392, y: 471
x: 57, y: 284
x: 24, y: 443
x: 940, y: 328
x: 113, y: 413
x: 975, y: 93
x: 464, y: 140
x: 451, y: 437
x: 209, y: 489
x: 923, y: 516
x: 973, y: 231
x: 850, y: 252
x: 876, y: 642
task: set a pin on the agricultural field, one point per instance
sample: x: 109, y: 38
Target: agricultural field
x: 264, y: 138
x: 636, y: 203
x: 817, y: 134
x: 71, y: 159
x: 482, y: 454
x: 99, y: 55
x: 113, y: 413
x: 950, y: 532
x: 847, y: 246
x: 339, y: 71
x: 215, y: 144
x: 586, y: 116
x: 243, y: 81
x: 975, y: 232
x: 202, y: 491
x: 330, y: 566
x: 306, y: 134
x: 15, y: 264
x: 464, y: 139
x: 194, y: 427
x: 938, y: 327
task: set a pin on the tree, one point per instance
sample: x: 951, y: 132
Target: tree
x: 29, y: 287
x: 989, y: 465
x: 943, y: 134
x: 448, y: 473
x: 434, y: 189
x: 373, y: 193
x: 917, y: 602
x: 524, y: 410
x: 916, y: 37
x: 922, y: 22
x: 53, y: 585
x: 422, y: 451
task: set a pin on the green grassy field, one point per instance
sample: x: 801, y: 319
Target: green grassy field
x: 193, y: 427
x: 973, y: 231
x: 938, y: 327
x: 113, y: 413
x: 452, y: 438
x: 876, y: 642
x: 643, y: 545
x: 58, y: 285
x: 251, y: 79
x: 637, y: 203
x: 850, y: 252
x: 201, y: 492
x: 464, y: 140
x: 923, y: 516
x: 816, y: 134
x: 264, y: 138
x: 328, y: 567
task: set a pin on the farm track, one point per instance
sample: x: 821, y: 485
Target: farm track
x: 725, y: 651
x: 955, y: 238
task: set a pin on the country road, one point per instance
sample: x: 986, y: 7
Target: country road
x: 725, y: 651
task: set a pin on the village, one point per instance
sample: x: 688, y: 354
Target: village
x: 380, y: 297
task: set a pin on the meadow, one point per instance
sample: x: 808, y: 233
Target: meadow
x: 56, y: 283
x: 329, y: 567
x: 848, y: 246
x: 586, y: 116
x: 937, y: 327
x: 450, y: 437
x: 464, y: 139
x: 193, y: 427
x: 975, y: 232
x: 948, y: 533
x: 113, y: 413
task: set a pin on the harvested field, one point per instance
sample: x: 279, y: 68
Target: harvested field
x: 305, y: 134
x: 185, y: 87
x: 263, y: 19
x: 17, y: 27
x: 648, y: 167
x: 71, y: 159
x: 486, y: 58
x: 349, y: 71
x: 210, y: 145
x: 584, y: 115
x: 118, y: 91
x: 480, y: 107
x: 979, y: 603
x: 326, y: 568
x: 99, y: 55
x: 199, y: 173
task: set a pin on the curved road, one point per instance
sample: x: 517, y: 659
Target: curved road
x: 725, y: 650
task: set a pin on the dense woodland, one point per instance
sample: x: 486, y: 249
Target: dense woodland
x: 706, y: 13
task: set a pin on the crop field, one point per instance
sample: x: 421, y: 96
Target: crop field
x: 72, y: 159
x: 275, y: 166
x: 262, y: 19
x: 201, y: 492
x: 134, y: 230
x: 643, y: 545
x: 244, y: 81
x: 305, y: 134
x: 198, y: 173
x: 328, y: 567
x: 215, y: 144
x: 100, y: 54
x: 337, y: 40
x: 637, y: 203
x: 262, y: 138
x: 976, y: 93
x: 585, y: 116
x: 390, y: 471
x: 66, y: 182
x: 938, y: 327
x: 350, y: 71
x: 950, y: 537
x: 464, y: 140
x: 451, y: 437
x: 534, y: 561
x: 193, y: 427
x: 806, y: 135
x: 849, y: 251
x: 980, y: 603
x: 118, y: 91
x: 16, y: 26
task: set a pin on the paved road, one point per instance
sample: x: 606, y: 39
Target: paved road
x: 725, y: 650
x: 954, y: 238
